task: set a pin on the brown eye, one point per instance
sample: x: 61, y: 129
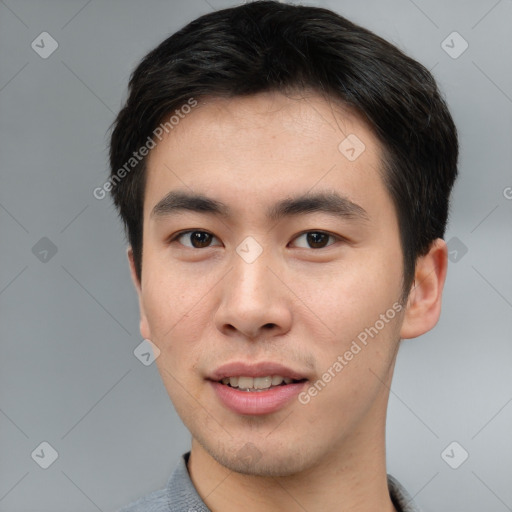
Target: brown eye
x: 197, y: 239
x: 315, y: 239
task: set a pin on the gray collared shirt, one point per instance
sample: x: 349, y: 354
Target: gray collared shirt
x: 180, y: 495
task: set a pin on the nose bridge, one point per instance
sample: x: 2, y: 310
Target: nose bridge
x: 250, y: 276
x: 251, y: 299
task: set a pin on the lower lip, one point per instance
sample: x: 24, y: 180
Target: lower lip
x: 257, y: 402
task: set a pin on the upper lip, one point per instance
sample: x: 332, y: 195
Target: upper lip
x: 261, y: 369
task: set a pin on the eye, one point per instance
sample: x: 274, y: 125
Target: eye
x: 316, y: 239
x: 202, y: 239
x: 198, y: 240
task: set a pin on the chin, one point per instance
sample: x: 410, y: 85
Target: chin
x: 261, y: 459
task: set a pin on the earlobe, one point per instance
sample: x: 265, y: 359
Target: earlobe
x: 424, y: 303
x: 144, y: 325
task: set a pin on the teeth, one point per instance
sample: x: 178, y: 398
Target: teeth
x: 276, y: 380
x: 245, y: 382
x: 255, y: 383
x: 262, y: 382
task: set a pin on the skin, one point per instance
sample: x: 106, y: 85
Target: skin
x: 203, y: 307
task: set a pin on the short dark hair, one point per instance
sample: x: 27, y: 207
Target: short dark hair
x: 266, y: 46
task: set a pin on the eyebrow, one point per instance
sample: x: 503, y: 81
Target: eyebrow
x: 331, y: 202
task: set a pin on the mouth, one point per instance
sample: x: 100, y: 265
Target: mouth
x: 256, y: 389
x: 258, y: 384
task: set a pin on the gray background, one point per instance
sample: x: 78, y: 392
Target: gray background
x: 68, y: 374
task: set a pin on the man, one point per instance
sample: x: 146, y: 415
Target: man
x: 284, y: 179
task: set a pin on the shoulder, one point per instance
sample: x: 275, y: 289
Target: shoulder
x: 179, y: 495
x: 153, y: 502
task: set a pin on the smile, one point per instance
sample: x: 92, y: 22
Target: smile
x: 257, y: 383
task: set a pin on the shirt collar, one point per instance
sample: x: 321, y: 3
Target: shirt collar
x: 182, y: 496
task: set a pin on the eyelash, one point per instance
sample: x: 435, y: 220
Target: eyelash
x: 182, y: 233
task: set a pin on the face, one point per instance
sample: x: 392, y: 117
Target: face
x: 258, y: 283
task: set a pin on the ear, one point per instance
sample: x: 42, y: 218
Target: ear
x: 144, y: 325
x: 424, y: 302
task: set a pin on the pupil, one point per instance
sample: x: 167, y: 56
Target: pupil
x: 315, y: 239
x: 201, y: 238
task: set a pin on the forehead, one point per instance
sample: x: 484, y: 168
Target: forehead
x: 253, y: 150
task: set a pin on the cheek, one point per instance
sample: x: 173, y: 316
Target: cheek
x: 178, y: 312
x: 351, y: 294
x: 170, y: 291
x: 164, y: 304
x: 353, y: 362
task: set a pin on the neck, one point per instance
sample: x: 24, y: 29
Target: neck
x: 352, y: 477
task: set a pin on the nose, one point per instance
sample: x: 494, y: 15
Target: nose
x: 254, y: 301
